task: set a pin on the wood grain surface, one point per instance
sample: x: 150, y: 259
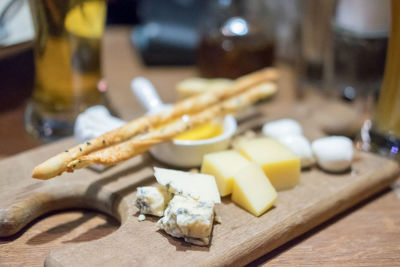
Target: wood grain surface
x: 367, y: 235
x: 240, y: 238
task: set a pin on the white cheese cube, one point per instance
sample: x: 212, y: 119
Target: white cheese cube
x: 301, y: 146
x: 188, y: 218
x: 282, y: 127
x: 196, y: 185
x: 152, y: 200
x: 333, y: 153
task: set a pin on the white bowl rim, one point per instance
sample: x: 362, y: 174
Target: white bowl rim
x: 229, y: 125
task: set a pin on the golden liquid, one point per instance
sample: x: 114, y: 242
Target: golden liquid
x: 67, y: 54
x: 388, y: 116
x: 204, y: 131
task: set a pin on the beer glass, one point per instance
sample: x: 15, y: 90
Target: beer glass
x: 382, y: 135
x: 67, y: 61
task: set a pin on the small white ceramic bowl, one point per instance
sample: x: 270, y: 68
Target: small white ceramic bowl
x: 181, y: 153
x: 187, y: 153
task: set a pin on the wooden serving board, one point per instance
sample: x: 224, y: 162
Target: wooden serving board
x: 240, y: 238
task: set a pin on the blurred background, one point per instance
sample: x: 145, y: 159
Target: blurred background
x: 337, y: 47
x: 331, y: 55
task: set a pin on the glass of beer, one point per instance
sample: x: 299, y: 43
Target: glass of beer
x: 67, y: 62
x: 383, y: 134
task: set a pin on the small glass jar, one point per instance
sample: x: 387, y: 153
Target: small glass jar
x: 360, y: 37
x: 67, y: 60
x: 382, y: 134
x: 237, y: 38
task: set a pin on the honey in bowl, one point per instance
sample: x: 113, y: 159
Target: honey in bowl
x: 204, y: 131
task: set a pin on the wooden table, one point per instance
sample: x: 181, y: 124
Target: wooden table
x: 366, y: 235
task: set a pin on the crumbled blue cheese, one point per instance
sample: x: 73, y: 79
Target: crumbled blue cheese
x: 189, y: 218
x: 152, y: 200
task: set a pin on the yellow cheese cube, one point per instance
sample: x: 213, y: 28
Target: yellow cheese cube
x: 223, y: 165
x: 280, y: 164
x: 252, y: 190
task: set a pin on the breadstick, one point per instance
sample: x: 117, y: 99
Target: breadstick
x: 58, y: 164
x: 139, y: 144
x: 202, y: 101
x: 195, y: 85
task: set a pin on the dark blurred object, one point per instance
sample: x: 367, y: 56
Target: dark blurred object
x: 343, y: 47
x: 316, y: 45
x: 16, y: 75
x: 286, y: 15
x: 165, y: 44
x: 360, y: 38
x: 122, y: 11
x: 168, y: 34
x: 16, y: 54
x: 237, y: 38
x: 359, y: 64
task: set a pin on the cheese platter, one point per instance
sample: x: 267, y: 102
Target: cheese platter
x: 311, y: 198
x: 239, y: 239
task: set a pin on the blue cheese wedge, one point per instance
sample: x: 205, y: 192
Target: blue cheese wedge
x: 152, y: 200
x: 188, y: 218
x: 196, y: 185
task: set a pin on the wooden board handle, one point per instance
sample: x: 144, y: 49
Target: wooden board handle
x: 26, y: 205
